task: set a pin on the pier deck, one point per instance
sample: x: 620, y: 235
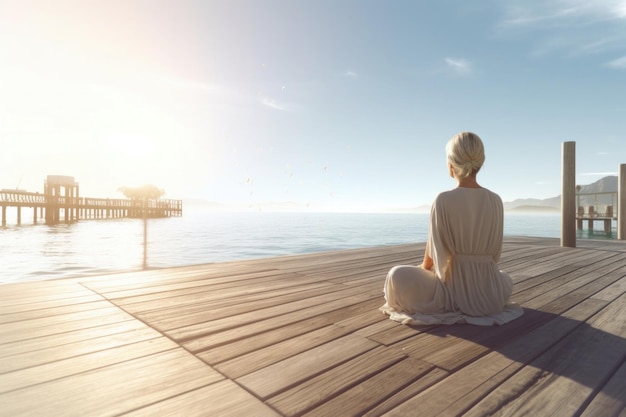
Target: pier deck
x: 301, y: 335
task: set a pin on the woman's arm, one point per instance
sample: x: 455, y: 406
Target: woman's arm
x: 427, y: 263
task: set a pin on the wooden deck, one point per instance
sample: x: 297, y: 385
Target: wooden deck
x: 302, y: 335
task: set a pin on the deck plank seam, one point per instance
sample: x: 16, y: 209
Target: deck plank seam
x: 600, y: 386
x: 86, y: 370
x: 297, y: 382
x: 261, y: 331
x: 354, y: 384
x: 162, y: 334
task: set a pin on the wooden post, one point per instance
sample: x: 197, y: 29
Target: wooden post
x: 145, y: 233
x: 568, y: 195
x: 621, y: 203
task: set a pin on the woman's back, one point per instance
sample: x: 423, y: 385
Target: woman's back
x: 468, y: 221
x: 466, y: 242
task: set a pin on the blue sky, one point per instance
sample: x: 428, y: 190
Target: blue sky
x: 331, y: 105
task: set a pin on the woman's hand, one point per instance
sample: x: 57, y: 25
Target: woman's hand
x: 428, y: 262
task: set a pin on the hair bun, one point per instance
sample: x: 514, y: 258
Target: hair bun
x: 466, y: 154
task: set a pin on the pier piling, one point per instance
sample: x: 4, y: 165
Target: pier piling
x: 568, y: 195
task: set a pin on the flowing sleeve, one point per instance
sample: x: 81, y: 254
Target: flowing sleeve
x: 439, y: 239
x: 499, y: 228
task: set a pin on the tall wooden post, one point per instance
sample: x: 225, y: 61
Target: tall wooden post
x: 145, y: 233
x: 568, y: 195
x: 621, y: 203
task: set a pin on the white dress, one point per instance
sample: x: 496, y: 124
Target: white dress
x: 465, y: 285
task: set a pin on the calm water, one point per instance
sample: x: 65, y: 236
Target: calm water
x: 103, y: 246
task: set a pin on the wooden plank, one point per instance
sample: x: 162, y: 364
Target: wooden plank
x: 518, y: 262
x: 112, y: 390
x: 68, y: 338
x: 612, y: 292
x: 75, y: 365
x: 464, y: 344
x: 575, y: 257
x: 221, y: 353
x: 321, y: 388
x: 222, y: 308
x: 250, y: 362
x: 53, y: 311
x: 70, y: 294
x: 373, y: 391
x: 250, y: 329
x: 590, y: 289
x: 424, y: 381
x: 575, y: 280
x: 359, y: 321
x: 234, y: 283
x: 55, y: 353
x: 560, y: 380
x: 392, y: 332
x: 565, y: 274
x: 294, y: 309
x: 10, y: 332
x: 209, y: 294
x: 223, y: 399
x: 610, y: 401
x: 42, y: 303
x: 287, y: 373
x: 527, y: 288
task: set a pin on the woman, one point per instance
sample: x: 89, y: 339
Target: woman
x: 459, y: 280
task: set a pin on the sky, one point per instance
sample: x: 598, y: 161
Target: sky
x: 329, y: 105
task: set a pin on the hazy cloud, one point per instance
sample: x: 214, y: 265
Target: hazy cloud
x: 351, y: 74
x: 459, y: 66
x: 273, y: 104
x: 619, y: 63
x: 560, y: 12
x: 568, y: 27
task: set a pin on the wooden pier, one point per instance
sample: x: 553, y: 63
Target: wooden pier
x: 592, y: 215
x: 55, y: 207
x: 302, y: 336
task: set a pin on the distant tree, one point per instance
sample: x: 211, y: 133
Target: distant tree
x: 147, y: 191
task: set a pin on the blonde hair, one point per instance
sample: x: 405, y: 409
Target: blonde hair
x: 466, y: 154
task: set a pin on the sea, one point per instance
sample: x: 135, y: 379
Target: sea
x: 41, y: 252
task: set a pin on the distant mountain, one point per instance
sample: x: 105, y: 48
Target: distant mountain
x: 535, y: 209
x: 603, y: 185
x: 536, y: 204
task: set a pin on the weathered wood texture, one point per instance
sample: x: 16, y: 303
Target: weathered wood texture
x: 302, y: 336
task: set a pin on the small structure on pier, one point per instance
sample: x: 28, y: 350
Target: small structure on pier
x: 52, y: 191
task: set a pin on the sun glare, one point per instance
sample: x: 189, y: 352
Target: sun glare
x: 128, y: 145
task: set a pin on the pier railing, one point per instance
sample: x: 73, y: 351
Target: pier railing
x: 591, y: 210
x: 21, y: 197
x: 594, y: 205
x: 76, y: 208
